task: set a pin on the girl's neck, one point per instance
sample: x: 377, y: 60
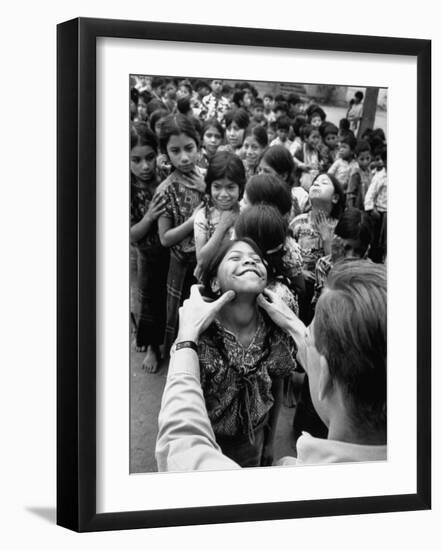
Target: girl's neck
x: 325, y: 208
x: 240, y: 316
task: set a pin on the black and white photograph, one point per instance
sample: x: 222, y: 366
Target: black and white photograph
x: 258, y: 273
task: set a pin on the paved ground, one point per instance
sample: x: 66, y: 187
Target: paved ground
x: 146, y: 392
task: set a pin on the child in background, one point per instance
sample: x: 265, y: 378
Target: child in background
x: 314, y: 232
x: 258, y: 117
x: 213, y: 136
x: 271, y: 131
x: 329, y: 133
x: 282, y: 132
x: 255, y: 142
x: 183, y: 191
x: 345, y: 164
x: 316, y: 116
x: 225, y: 181
x: 152, y: 258
x: 361, y: 177
x: 214, y: 103
x: 269, y: 103
x: 278, y: 161
x: 308, y: 160
x: 376, y: 204
x: 169, y: 95
x: 237, y: 122
x: 299, y: 122
x: 354, y: 113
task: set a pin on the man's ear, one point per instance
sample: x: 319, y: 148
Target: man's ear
x: 325, y: 381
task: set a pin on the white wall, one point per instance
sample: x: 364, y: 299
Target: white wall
x: 28, y: 274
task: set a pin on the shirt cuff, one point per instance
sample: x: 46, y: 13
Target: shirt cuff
x: 184, y: 361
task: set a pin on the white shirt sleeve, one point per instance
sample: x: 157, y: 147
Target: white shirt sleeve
x: 186, y: 441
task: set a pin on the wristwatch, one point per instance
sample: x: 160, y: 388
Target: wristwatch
x: 186, y: 344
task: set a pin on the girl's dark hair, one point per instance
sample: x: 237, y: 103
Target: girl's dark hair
x: 281, y: 106
x: 175, y: 125
x: 357, y: 226
x: 378, y: 133
x: 212, y: 269
x: 154, y: 105
x: 259, y: 133
x: 381, y: 152
x: 156, y: 116
x: 225, y: 164
x: 317, y: 111
x: 298, y: 123
x: 183, y: 105
x: 238, y: 98
x: 269, y: 189
x: 213, y: 123
x: 134, y: 94
x: 265, y: 225
x: 338, y: 207
x: 239, y: 116
x: 145, y: 96
x: 140, y: 134
x: 280, y: 159
x: 361, y: 147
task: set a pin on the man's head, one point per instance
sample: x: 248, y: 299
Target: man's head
x: 347, y: 349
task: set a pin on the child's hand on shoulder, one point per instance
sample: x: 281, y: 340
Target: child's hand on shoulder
x: 157, y: 208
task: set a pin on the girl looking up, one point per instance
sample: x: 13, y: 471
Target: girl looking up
x: 183, y: 191
x: 243, y: 358
x: 152, y: 259
x: 225, y: 181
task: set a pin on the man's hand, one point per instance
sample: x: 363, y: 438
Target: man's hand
x: 196, y: 315
x: 278, y: 311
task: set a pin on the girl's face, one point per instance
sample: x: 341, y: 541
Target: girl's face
x: 252, y: 150
x: 344, y: 151
x: 314, y: 139
x: 364, y: 159
x: 331, y: 140
x: 316, y: 121
x: 265, y: 168
x: 143, y: 162
x: 142, y: 111
x: 212, y: 140
x: 224, y: 193
x: 183, y: 91
x: 170, y: 91
x: 234, y: 135
x: 322, y: 189
x: 378, y: 162
x: 241, y: 270
x: 182, y: 152
x: 248, y: 100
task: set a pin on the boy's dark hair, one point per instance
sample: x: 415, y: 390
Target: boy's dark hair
x: 269, y: 95
x: 359, y: 95
x: 239, y: 116
x: 350, y: 331
x: 225, y: 164
x: 361, y: 147
x: 356, y: 225
x: 264, y: 224
x: 258, y: 102
x: 201, y: 84
x: 328, y: 128
x: 140, y: 134
x: 350, y: 140
x: 283, y: 123
x: 282, y: 106
x: 175, y: 125
x: 212, y: 269
x: 280, y: 98
x: 269, y: 189
x: 293, y: 99
x: 157, y: 81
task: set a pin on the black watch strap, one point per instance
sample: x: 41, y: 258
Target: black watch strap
x: 186, y: 344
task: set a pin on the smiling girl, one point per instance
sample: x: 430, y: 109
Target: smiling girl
x: 225, y: 180
x: 243, y: 357
x: 255, y: 143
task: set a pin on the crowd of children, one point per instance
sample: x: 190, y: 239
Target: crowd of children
x: 213, y: 161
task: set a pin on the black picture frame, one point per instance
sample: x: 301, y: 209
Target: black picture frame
x: 76, y: 273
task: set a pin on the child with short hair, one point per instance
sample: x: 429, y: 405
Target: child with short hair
x: 152, y: 259
x: 283, y: 125
x: 308, y: 159
x: 215, y: 104
x: 258, y: 117
x: 225, y: 181
x: 183, y: 190
x: 255, y: 143
x: 236, y: 121
x: 269, y: 103
x: 329, y: 133
x: 345, y: 164
x: 354, y: 114
x: 360, y: 179
x: 376, y: 203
